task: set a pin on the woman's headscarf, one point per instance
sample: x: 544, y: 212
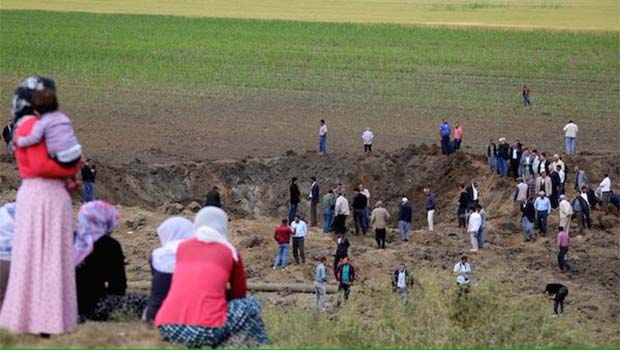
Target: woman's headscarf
x: 95, y: 220
x: 171, y: 233
x: 211, y: 225
x: 22, y: 99
x: 7, y: 227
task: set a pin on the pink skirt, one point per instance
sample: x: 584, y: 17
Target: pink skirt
x: 41, y: 295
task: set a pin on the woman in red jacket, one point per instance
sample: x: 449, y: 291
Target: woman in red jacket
x: 198, y: 310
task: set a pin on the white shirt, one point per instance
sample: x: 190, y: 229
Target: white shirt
x: 300, y: 228
x: 562, y: 176
x: 401, y: 280
x: 323, y: 130
x: 555, y: 164
x: 571, y: 130
x: 475, y: 220
x: 366, y: 193
x: 311, y: 187
x: 367, y: 137
x: 461, y: 268
x: 585, y: 196
x: 474, y: 192
x: 342, y: 206
x: 605, y: 185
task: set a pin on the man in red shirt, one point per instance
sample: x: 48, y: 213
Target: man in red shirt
x: 563, y: 244
x: 283, y: 237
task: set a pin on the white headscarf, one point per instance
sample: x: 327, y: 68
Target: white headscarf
x: 7, y: 227
x: 211, y: 225
x: 171, y: 233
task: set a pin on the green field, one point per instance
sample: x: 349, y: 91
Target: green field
x: 553, y: 14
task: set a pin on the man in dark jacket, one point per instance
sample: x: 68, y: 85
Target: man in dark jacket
x: 88, y: 173
x: 342, y: 249
x: 360, y: 202
x: 528, y: 218
x: 345, y: 274
x: 555, y: 189
x: 7, y: 135
x: 462, y: 210
x: 294, y: 199
x: 314, y: 200
x: 582, y: 212
x: 502, y: 157
x: 515, y: 158
x: 404, y: 219
x: 213, y: 198
x: 557, y: 292
x: 400, y: 281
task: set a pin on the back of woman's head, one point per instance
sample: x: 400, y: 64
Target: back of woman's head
x: 214, y: 218
x: 45, y: 101
x: 174, y: 228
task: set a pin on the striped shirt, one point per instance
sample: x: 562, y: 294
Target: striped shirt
x: 56, y: 129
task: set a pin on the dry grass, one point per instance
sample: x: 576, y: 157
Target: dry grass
x: 526, y: 14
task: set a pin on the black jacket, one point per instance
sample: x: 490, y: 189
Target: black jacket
x: 408, y: 279
x: 463, y: 201
x: 342, y: 248
x: 360, y: 201
x: 555, y: 182
x: 315, y: 193
x: 6, y: 134
x: 101, y: 273
x: 492, y: 150
x: 213, y: 199
x: 592, y: 198
x: 584, y: 205
x: 503, y: 151
x: 529, y: 211
x: 88, y: 175
x: 160, y: 285
x: 294, y: 192
x: 404, y: 214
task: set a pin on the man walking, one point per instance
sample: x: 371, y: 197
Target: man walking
x: 300, y: 229
x: 444, y: 133
x: 563, y: 244
x: 342, y: 211
x: 605, y: 188
x: 367, y: 137
x: 314, y: 200
x: 404, y: 219
x: 323, y: 137
x: 528, y: 217
x: 566, y: 213
x: 543, y: 208
x: 342, y: 250
x: 475, y: 221
x: 581, y: 178
x: 328, y: 204
x: 320, y: 279
x: 430, y: 203
x: 581, y: 210
x: 360, y: 203
x: 282, y: 236
x: 570, y: 133
x: 525, y: 92
x: 345, y: 274
x: 379, y: 219
x: 400, y: 281
x: 294, y: 199
x: 88, y: 173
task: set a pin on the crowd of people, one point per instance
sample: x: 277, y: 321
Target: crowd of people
x: 57, y: 275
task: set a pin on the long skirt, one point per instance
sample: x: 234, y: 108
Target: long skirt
x: 243, y: 323
x: 111, y: 307
x: 41, y: 294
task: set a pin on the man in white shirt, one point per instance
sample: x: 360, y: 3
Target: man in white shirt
x: 300, y: 229
x: 400, y: 281
x: 367, y: 137
x: 570, y: 133
x: 462, y: 270
x: 342, y: 211
x: 475, y: 220
x: 566, y: 212
x: 558, y: 161
x: 323, y: 137
x: 605, y: 189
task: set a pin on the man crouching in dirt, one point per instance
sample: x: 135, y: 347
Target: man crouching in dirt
x: 557, y: 292
x: 462, y: 270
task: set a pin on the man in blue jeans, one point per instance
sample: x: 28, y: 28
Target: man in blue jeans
x: 328, y: 204
x: 542, y: 204
x: 323, y: 137
x: 88, y: 172
x: 404, y: 219
x: 283, y: 238
x: 444, y: 132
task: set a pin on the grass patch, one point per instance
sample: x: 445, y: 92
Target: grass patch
x: 494, y: 314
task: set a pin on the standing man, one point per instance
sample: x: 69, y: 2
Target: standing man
x: 320, y: 278
x: 557, y: 161
x: 367, y: 137
x: 515, y: 158
x: 89, y: 173
x: 543, y: 208
x: 282, y: 236
x: 492, y: 156
x: 525, y: 91
x: 444, y: 133
x: 323, y: 137
x: 543, y: 183
x: 400, y: 281
x: 328, y: 204
x: 525, y: 165
x: 557, y: 292
x: 472, y: 195
x: 213, y: 198
x: 556, y: 182
x: 314, y: 200
x: 430, y: 203
x: 528, y: 217
x: 379, y: 220
x: 360, y: 203
x: 581, y: 178
x: 566, y: 212
x: 475, y: 221
x: 521, y: 195
x: 365, y: 192
x: 605, y: 188
x: 345, y: 274
x: 404, y: 219
x: 570, y: 133
x: 342, y: 250
x: 300, y: 229
x: 294, y: 199
x: 7, y: 135
x: 461, y: 212
x: 531, y: 186
x: 581, y: 210
x: 342, y: 211
x: 563, y: 244
x: 543, y: 164
x: 458, y: 136
x: 503, y: 154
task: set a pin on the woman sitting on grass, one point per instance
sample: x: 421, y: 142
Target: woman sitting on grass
x: 100, y: 273
x: 171, y: 233
x: 198, y: 310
